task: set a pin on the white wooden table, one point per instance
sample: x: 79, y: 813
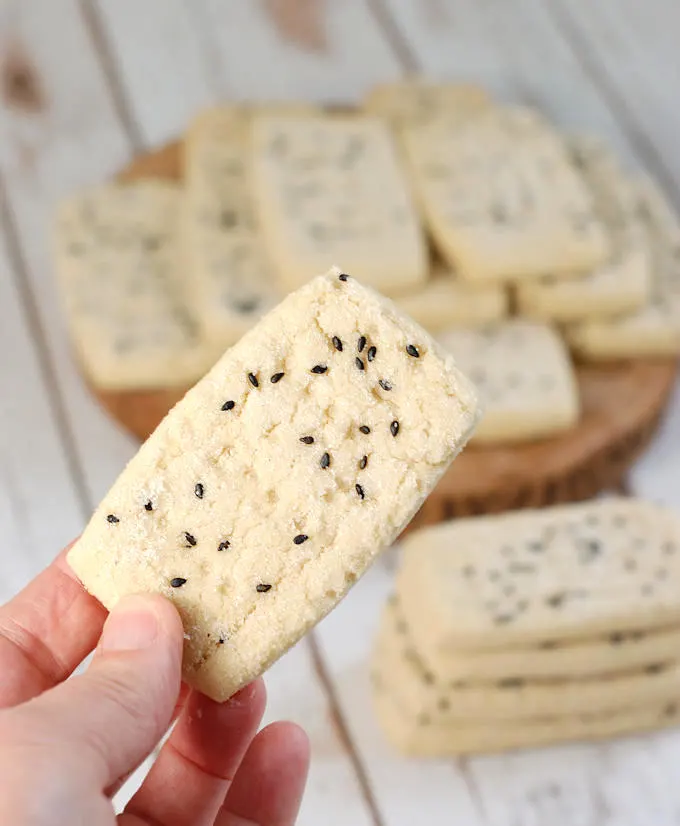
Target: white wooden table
x: 83, y: 87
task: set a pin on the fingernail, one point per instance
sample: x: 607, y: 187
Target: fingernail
x: 131, y: 626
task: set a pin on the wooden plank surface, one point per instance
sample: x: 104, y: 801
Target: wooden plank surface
x: 160, y: 61
x: 59, y: 132
x: 34, y: 463
x: 306, y: 49
x: 631, y: 47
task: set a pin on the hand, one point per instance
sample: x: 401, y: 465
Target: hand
x: 66, y: 747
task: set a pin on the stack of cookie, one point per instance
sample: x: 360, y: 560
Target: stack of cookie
x: 465, y: 212
x: 532, y: 628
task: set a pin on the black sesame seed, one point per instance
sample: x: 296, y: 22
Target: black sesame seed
x: 252, y: 378
x: 394, y: 427
x: 365, y: 429
x: 385, y: 384
x: 190, y: 538
x: 221, y: 641
x: 307, y: 440
x: 276, y: 378
x: 224, y: 545
x: 360, y: 491
x: 359, y: 363
x: 177, y: 582
x: 655, y: 668
x: 511, y: 682
x: 325, y: 460
x: 521, y: 568
x: 300, y: 538
x: 199, y: 490
x: 361, y: 343
x: 370, y: 355
x: 343, y: 276
x: 337, y: 344
x: 616, y: 638
x: 229, y: 405
x: 149, y: 505
x: 363, y: 462
x: 319, y: 368
x: 412, y: 351
x: 263, y: 587
x: 556, y: 600
x: 112, y: 519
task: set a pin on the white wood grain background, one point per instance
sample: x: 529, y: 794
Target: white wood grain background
x: 86, y: 85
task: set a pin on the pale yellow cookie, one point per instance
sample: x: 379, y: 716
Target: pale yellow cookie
x: 421, y: 738
x: 524, y: 376
x: 653, y: 330
x: 331, y: 189
x: 620, y: 285
x: 446, y: 301
x: 621, y: 649
x: 118, y: 264
x: 563, y: 573
x: 418, y: 101
x: 501, y: 198
x: 269, y: 489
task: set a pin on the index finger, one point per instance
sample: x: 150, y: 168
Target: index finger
x: 45, y: 632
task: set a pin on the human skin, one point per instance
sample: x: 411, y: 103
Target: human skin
x: 67, y: 746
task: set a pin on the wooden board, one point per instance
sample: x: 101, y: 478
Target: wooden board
x: 622, y: 406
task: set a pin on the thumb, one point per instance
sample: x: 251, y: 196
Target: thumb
x: 110, y: 718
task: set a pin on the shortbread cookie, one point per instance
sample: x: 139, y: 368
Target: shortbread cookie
x: 525, y: 379
x: 117, y: 262
x: 447, y: 301
x: 418, y: 101
x: 418, y: 688
x: 423, y: 738
x: 232, y: 281
x: 501, y: 197
x: 330, y: 189
x: 562, y: 573
x: 620, y: 285
x: 618, y: 650
x: 268, y: 490
x: 654, y: 330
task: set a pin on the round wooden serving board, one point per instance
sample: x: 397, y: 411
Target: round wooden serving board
x: 622, y: 406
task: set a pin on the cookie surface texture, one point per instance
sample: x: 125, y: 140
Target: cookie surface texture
x: 269, y: 489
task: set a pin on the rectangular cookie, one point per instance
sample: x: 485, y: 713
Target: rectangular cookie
x: 446, y: 301
x: 331, y: 189
x: 620, y: 285
x: 524, y: 376
x: 653, y: 330
x: 512, y: 696
x: 232, y: 280
x: 501, y: 198
x: 116, y: 256
x: 418, y: 101
x: 268, y: 490
x: 622, y: 649
x: 568, y: 572
x: 420, y: 738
